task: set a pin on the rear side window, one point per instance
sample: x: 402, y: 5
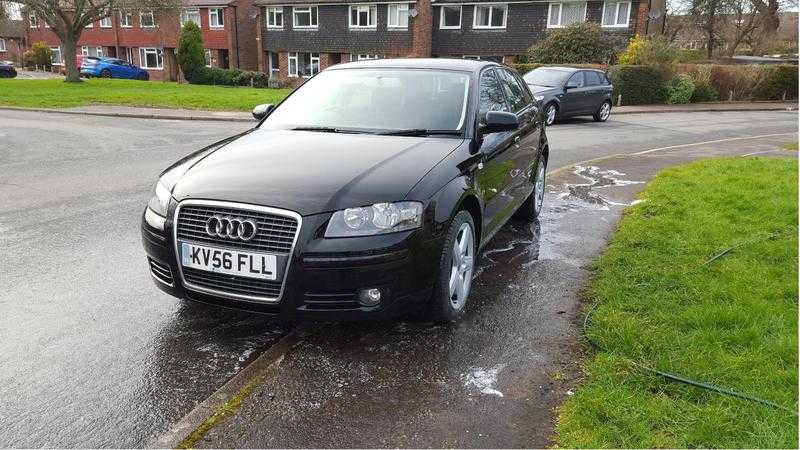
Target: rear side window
x: 594, y: 79
x: 492, y: 97
x: 577, y: 80
x: 517, y: 94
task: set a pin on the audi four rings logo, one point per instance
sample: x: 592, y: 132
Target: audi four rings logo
x: 231, y: 227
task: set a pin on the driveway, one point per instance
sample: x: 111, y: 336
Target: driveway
x: 95, y: 355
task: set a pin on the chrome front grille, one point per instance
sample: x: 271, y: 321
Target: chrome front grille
x: 276, y: 234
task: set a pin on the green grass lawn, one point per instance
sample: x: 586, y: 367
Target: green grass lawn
x: 732, y: 322
x: 55, y: 93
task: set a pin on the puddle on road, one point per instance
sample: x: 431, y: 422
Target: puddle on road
x: 596, y: 179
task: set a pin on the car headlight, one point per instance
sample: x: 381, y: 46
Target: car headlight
x: 379, y: 218
x: 538, y: 97
x: 160, y: 200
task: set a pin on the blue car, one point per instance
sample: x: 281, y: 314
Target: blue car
x: 112, y: 68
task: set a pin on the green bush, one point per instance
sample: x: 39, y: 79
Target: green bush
x: 703, y: 92
x: 39, y: 55
x: 680, y: 89
x: 229, y: 77
x: 254, y: 79
x: 191, y: 55
x: 575, y: 44
x: 649, y: 51
x: 639, y: 85
x: 777, y: 81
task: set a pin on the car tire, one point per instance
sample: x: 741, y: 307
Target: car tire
x: 105, y: 73
x: 603, y: 112
x: 550, y: 114
x: 532, y: 206
x: 451, y: 292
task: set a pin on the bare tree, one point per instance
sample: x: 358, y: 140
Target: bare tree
x: 68, y: 18
x: 741, y: 21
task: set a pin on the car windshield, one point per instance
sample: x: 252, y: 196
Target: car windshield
x: 546, y: 77
x: 376, y: 100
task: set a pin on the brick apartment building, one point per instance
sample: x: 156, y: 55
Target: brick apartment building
x: 149, y: 39
x: 301, y: 37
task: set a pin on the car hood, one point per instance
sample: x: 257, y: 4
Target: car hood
x: 312, y: 172
x: 543, y: 89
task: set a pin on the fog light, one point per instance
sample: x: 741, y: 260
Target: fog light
x: 369, y: 297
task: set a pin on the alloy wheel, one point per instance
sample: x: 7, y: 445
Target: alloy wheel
x: 540, y: 185
x: 550, y: 114
x: 605, y: 111
x: 461, y: 266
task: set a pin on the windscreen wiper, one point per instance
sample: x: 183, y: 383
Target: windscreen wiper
x: 327, y: 130
x: 420, y: 132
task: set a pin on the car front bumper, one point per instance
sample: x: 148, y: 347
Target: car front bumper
x: 325, y: 276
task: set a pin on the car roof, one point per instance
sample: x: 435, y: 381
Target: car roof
x: 464, y: 65
x: 568, y: 69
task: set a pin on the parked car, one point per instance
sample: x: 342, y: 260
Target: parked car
x: 7, y: 69
x: 568, y: 92
x: 92, y: 66
x: 367, y: 192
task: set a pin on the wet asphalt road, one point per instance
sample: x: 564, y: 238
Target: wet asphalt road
x: 91, y: 353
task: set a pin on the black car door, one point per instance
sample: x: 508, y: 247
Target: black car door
x: 527, y: 139
x: 596, y: 90
x: 496, y: 153
x: 574, y: 102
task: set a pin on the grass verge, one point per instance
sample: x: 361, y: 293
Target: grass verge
x: 791, y: 146
x: 731, y: 322
x: 55, y: 93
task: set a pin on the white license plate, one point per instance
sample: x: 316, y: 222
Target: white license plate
x: 230, y: 262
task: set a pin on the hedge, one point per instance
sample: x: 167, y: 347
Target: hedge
x: 639, y: 85
x: 524, y: 68
x: 229, y: 77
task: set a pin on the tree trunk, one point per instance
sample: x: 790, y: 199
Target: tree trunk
x: 710, y: 29
x: 69, y: 47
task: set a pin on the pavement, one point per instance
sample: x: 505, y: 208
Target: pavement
x: 492, y: 380
x: 94, y: 355
x: 237, y: 116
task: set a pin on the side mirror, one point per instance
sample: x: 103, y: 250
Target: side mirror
x: 499, y: 121
x: 570, y: 86
x: 261, y: 111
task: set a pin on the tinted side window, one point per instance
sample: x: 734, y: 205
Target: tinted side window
x: 577, y: 80
x: 515, y: 92
x: 594, y: 79
x: 492, y: 97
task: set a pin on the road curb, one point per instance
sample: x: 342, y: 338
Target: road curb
x: 202, y: 117
x: 192, y: 421
x: 130, y: 115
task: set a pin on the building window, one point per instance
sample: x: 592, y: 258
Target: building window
x: 363, y: 16
x: 2, y: 45
x: 563, y: 14
x: 450, y: 17
x: 147, y: 19
x: 364, y: 57
x: 303, y: 64
x: 151, y: 58
x: 616, y: 14
x: 100, y: 52
x: 34, y: 21
x: 305, y: 17
x: 208, y: 57
x: 275, y: 17
x: 129, y: 55
x: 490, y: 16
x: 398, y: 15
x: 125, y: 19
x: 190, y: 15
x: 57, y: 59
x: 105, y: 22
x: 274, y: 66
x: 216, y: 17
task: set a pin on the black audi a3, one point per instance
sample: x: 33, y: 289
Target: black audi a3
x: 367, y: 192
